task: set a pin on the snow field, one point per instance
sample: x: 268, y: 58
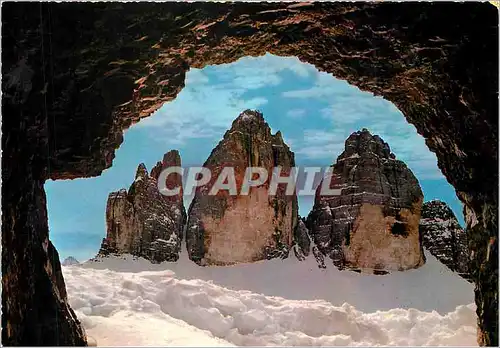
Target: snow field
x: 159, y: 307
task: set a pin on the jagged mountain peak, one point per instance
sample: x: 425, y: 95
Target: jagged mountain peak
x: 372, y: 221
x: 250, y: 121
x: 251, y: 115
x: 141, y: 172
x: 143, y: 221
x: 364, y: 143
x: 170, y: 159
x: 437, y: 209
x: 70, y: 260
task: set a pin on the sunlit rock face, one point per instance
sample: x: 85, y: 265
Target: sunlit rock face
x: 142, y: 221
x: 225, y: 229
x: 443, y: 236
x: 371, y: 220
x: 69, y: 261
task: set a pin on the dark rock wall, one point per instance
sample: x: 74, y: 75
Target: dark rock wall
x: 35, y: 309
x: 75, y: 75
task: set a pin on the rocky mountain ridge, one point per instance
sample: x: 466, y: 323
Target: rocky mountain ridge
x: 144, y: 222
x: 443, y: 236
x: 372, y: 221
x: 377, y: 193
x: 69, y: 261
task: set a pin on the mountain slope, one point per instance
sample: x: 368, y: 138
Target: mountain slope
x: 70, y: 260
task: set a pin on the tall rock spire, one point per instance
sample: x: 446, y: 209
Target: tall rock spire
x: 142, y: 221
x: 372, y: 223
x: 227, y: 229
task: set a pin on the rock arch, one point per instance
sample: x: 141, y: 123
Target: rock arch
x: 76, y: 75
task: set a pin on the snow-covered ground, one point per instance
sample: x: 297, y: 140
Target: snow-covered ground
x: 129, y: 301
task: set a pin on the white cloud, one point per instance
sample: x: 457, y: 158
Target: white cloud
x: 206, y: 108
x: 320, y: 136
x: 200, y: 111
x: 349, y: 110
x: 208, y: 105
x: 321, y: 144
x: 257, y: 72
x: 354, y: 108
x: 317, y: 152
x: 301, y: 69
x: 411, y: 148
x: 256, y: 81
x: 296, y: 113
x: 325, y: 86
x: 196, y: 77
x: 408, y: 146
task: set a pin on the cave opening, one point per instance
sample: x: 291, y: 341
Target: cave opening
x: 315, y: 114
x: 314, y: 111
x: 425, y: 67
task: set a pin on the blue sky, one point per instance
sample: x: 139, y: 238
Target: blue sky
x: 315, y: 112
